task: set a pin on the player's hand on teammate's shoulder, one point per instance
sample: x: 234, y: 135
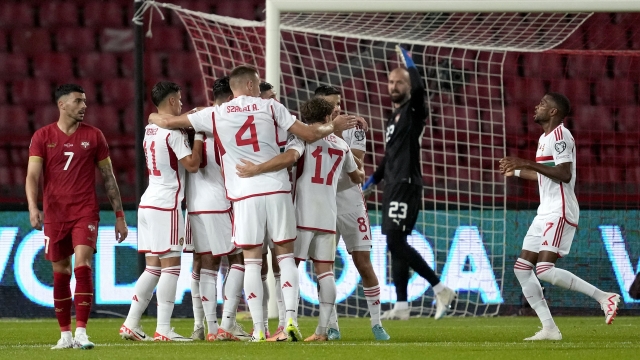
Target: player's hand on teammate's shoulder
x: 344, y: 122
x: 362, y: 123
x: 121, y: 229
x: 247, y: 169
x: 36, y: 217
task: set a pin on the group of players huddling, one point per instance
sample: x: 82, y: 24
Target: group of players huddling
x: 242, y: 200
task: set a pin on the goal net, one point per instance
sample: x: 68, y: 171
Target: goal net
x: 481, y: 96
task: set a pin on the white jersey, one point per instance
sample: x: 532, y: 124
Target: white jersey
x: 349, y: 197
x: 163, y: 149
x: 556, y: 148
x: 205, y: 188
x: 247, y: 128
x: 318, y: 170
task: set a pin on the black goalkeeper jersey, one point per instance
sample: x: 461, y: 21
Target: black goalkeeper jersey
x: 401, y: 162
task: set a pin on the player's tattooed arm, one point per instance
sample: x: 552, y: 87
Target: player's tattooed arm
x: 113, y: 193
x: 248, y: 169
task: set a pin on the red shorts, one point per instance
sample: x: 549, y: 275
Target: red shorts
x: 61, y: 238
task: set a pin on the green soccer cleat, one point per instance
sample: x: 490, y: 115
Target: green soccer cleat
x: 293, y: 331
x: 379, y: 333
x: 333, y: 334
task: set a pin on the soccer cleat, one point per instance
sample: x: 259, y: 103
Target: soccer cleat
x: 170, y: 336
x: 198, y: 333
x: 316, y: 337
x: 236, y: 333
x: 610, y: 307
x: 259, y: 338
x: 293, y: 332
x: 546, y: 334
x: 443, y: 302
x: 134, y: 334
x: 267, y: 334
x: 333, y: 334
x: 81, y: 341
x: 212, y: 337
x: 65, y: 342
x: 279, y: 335
x: 379, y: 333
x: 396, y: 314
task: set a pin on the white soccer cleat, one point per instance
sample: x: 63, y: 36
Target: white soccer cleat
x: 81, y: 341
x: 396, y: 314
x: 443, y: 302
x: 545, y: 334
x: 198, y: 333
x: 610, y: 307
x: 134, y: 334
x: 170, y: 336
x: 236, y: 333
x: 65, y: 342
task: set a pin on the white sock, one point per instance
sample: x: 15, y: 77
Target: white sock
x: 401, y: 305
x: 142, y: 294
x: 232, y: 295
x: 372, y: 294
x: 550, y: 273
x: 166, y: 294
x: 333, y: 319
x: 81, y: 331
x: 67, y: 335
x: 438, y: 287
x: 281, y: 308
x: 209, y: 297
x: 532, y: 291
x: 327, y: 296
x: 253, y: 291
x: 198, y: 311
x: 265, y: 302
x: 290, y: 286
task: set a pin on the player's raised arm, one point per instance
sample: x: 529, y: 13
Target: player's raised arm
x: 315, y: 132
x: 417, y: 85
x: 34, y: 170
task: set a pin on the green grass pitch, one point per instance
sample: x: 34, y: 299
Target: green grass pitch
x: 449, y: 338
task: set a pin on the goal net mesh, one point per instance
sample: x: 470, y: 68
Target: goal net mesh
x: 479, y: 112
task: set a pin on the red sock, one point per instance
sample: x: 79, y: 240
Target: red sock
x: 83, y: 297
x: 62, y: 299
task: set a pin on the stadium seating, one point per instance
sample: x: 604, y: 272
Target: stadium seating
x: 616, y: 93
x: 16, y: 119
x: 117, y: 92
x: 16, y: 15
x: 75, y: 40
x: 587, y: 67
x: 32, y: 92
x: 4, y: 41
x: 31, y: 41
x: 593, y: 119
x: 18, y: 65
x: 52, y: 66
x: 545, y: 66
x: 58, y: 13
x: 166, y: 40
x: 106, y: 118
x: 578, y: 91
x: 45, y: 115
x: 97, y: 66
x: 98, y: 14
x: 183, y: 66
x: 627, y: 119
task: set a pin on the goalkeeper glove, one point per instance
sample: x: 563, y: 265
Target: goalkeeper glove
x: 367, y: 187
x: 406, y: 58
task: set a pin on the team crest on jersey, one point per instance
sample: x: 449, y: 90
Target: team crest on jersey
x: 68, y: 145
x: 181, y: 241
x: 560, y: 146
x: 52, y: 145
x: 359, y: 134
x: 84, y: 144
x: 92, y: 227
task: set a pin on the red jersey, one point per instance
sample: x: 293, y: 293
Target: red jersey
x: 68, y: 169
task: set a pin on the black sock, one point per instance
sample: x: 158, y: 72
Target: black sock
x: 400, y: 274
x: 402, y: 251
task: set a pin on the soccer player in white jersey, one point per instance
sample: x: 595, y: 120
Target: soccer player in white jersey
x: 209, y: 227
x: 320, y: 163
x: 552, y: 231
x: 160, y: 222
x: 245, y: 128
x: 353, y: 223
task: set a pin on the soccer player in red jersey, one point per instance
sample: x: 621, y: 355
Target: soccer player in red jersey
x: 68, y: 151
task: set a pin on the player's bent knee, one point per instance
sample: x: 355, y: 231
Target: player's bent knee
x: 546, y: 273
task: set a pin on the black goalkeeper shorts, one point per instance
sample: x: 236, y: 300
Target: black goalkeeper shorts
x: 401, y: 206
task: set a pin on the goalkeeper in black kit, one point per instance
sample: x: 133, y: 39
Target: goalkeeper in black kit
x: 400, y: 169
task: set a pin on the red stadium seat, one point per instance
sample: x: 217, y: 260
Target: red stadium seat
x: 14, y: 120
x: 118, y: 92
x: 628, y: 119
x: 98, y: 66
x: 578, y: 91
x: 32, y: 92
x: 53, y: 66
x: 16, y: 15
x: 5, y: 158
x: 600, y: 175
x: 5, y: 177
x: 354, y: 91
x: 524, y: 92
x: 18, y: 65
x: 615, y: 93
x: 239, y: 9
x: 575, y: 41
x: 593, y: 118
x: 20, y: 155
x: 3, y: 93
x: 166, y: 40
x: 627, y: 67
x: 592, y: 67
x: 197, y: 94
x: 607, y: 36
x: 45, y: 115
x: 152, y: 66
x: 76, y: 40
x: 184, y: 66
x: 105, y: 118
x: 545, y: 66
x: 58, y: 13
x: 31, y: 41
x: 633, y: 175
x: 100, y: 14
x: 4, y: 41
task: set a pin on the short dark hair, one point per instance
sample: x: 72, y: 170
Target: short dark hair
x: 315, y: 110
x: 163, y: 89
x: 326, y: 90
x: 239, y: 72
x: 221, y: 88
x: 265, y: 86
x: 562, y: 103
x: 67, y: 89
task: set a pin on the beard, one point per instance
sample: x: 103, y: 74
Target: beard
x: 398, y: 98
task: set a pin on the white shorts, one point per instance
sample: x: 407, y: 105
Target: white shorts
x: 317, y: 246
x: 267, y: 216
x: 355, y: 231
x: 210, y: 233
x: 159, y: 231
x: 549, y: 233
